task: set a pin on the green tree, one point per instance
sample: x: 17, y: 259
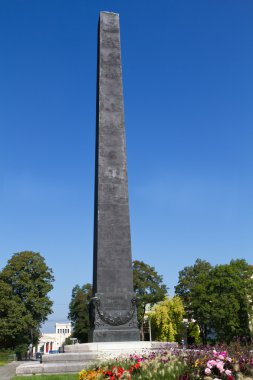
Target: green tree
x: 219, y: 299
x: 26, y: 280
x: 244, y: 274
x: 193, y: 289
x: 167, y: 320
x: 231, y: 286
x: 14, y: 319
x: 149, y: 289
x: 79, y: 311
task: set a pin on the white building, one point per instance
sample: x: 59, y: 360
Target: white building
x: 52, y: 342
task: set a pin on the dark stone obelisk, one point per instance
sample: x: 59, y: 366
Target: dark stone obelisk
x: 114, y: 304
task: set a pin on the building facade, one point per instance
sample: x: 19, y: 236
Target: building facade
x: 53, y: 341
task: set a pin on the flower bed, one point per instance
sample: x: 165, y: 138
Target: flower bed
x: 204, y: 364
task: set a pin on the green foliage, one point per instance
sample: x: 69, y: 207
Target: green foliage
x: 24, y: 284
x: 14, y: 320
x: 6, y: 356
x: 219, y: 298
x: 149, y: 288
x: 231, y: 287
x: 167, y: 320
x: 193, y: 333
x: 79, y: 311
x: 67, y: 341
x: 192, y: 288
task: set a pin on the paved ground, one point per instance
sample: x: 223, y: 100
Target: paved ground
x: 9, y: 370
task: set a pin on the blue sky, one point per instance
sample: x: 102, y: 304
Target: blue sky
x: 188, y: 89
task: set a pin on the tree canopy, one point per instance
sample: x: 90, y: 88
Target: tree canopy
x: 231, y: 287
x: 193, y: 289
x: 25, y: 283
x: 149, y: 289
x: 79, y: 311
x: 219, y: 298
x: 167, y: 320
x: 15, y: 322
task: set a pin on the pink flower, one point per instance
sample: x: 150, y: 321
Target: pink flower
x: 207, y: 371
x: 211, y: 363
x: 228, y: 372
x: 220, y: 367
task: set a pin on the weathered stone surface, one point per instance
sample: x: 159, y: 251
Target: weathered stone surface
x: 114, y: 308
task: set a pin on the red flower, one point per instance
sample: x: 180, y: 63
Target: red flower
x: 108, y: 374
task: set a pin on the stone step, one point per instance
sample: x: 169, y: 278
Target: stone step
x: 51, y: 368
x: 79, y: 356
x: 118, y: 346
x: 70, y: 357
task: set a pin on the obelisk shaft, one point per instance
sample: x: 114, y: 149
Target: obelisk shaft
x: 115, y: 311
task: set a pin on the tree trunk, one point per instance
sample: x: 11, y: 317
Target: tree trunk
x: 142, y: 330
x: 203, y: 334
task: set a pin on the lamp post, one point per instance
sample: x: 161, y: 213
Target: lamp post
x: 147, y: 310
x: 184, y: 336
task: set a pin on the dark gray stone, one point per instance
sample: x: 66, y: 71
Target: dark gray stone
x: 114, y: 306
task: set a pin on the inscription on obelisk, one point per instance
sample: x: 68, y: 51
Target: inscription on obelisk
x: 114, y: 303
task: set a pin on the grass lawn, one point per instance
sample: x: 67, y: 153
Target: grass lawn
x: 47, y: 377
x: 6, y: 358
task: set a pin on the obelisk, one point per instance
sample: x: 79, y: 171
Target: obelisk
x: 114, y: 302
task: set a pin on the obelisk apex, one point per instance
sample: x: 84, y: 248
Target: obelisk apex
x: 114, y: 303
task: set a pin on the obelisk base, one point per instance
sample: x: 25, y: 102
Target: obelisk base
x: 115, y: 335
x: 111, y: 320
